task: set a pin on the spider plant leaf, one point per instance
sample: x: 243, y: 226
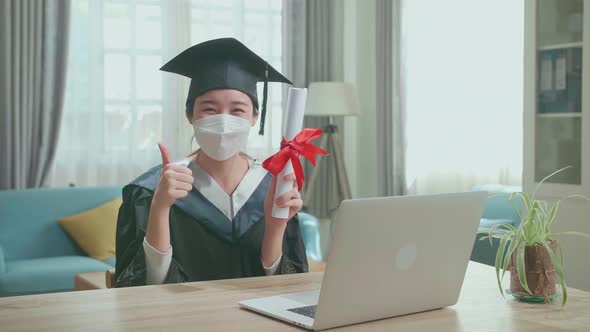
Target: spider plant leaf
x: 510, y: 227
x: 507, y: 235
x: 564, y: 291
x: 500, y: 233
x: 520, y: 266
x: 547, y: 177
x: 532, y: 212
x: 559, y: 271
x: 535, y: 207
x: 578, y: 197
x: 544, y: 206
x: 525, y: 198
x: 483, y: 230
x: 542, y: 210
x: 552, y: 214
x: 572, y: 233
x: 512, y: 195
x: 495, y: 229
x: 539, y: 226
x: 517, y: 209
x: 498, y: 263
x: 508, y: 255
x: 542, y: 216
x: 560, y: 253
x: 530, y: 223
x: 492, y: 230
x: 507, y: 261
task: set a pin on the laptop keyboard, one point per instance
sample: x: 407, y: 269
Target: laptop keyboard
x: 308, y: 311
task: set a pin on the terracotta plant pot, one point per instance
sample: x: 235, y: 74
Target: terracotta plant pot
x: 540, y: 273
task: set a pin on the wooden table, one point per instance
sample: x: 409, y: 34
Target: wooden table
x: 212, y: 306
x: 98, y: 280
x: 90, y: 281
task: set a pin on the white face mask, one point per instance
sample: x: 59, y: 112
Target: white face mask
x: 222, y: 136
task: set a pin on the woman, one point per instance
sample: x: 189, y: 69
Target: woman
x: 209, y: 216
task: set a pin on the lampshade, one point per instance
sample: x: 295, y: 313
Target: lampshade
x: 331, y: 99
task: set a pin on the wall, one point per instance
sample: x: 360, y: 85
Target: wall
x: 359, y: 68
x: 574, y: 215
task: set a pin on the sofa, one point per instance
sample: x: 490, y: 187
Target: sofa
x: 497, y: 210
x: 38, y: 256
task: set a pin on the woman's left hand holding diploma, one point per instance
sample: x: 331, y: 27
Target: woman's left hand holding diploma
x: 291, y: 199
x: 274, y: 228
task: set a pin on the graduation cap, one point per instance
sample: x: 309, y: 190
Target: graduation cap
x: 224, y: 64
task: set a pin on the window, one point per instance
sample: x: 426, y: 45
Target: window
x: 464, y: 94
x: 118, y: 104
x: 256, y: 23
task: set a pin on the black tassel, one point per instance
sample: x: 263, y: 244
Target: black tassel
x: 264, y: 97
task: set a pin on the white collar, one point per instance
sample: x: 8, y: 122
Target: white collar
x: 228, y: 205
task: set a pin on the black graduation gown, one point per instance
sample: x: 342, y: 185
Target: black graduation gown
x: 206, y: 245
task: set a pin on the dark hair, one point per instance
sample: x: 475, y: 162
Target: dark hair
x: 191, y: 103
x: 189, y: 108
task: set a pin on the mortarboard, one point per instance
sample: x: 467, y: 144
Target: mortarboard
x: 225, y: 64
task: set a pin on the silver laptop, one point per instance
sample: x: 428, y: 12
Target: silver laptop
x: 389, y: 256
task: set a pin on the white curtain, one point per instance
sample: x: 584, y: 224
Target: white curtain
x: 463, y: 93
x: 119, y: 105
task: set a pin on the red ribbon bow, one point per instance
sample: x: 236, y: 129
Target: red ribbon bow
x: 291, y: 150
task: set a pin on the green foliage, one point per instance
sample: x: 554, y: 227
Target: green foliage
x: 534, y: 229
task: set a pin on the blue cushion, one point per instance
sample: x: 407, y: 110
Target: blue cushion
x: 111, y: 261
x: 44, y: 275
x: 498, y: 210
x: 310, y: 232
x: 28, y: 219
x: 488, y: 223
x: 2, y: 265
x: 498, y: 205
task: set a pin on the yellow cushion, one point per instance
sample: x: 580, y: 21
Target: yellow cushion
x: 94, y: 230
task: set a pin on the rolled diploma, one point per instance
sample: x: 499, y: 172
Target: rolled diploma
x: 292, y: 125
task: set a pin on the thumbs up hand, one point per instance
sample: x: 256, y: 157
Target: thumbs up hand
x: 176, y: 181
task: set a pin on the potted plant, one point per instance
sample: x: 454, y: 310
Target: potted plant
x: 531, y: 251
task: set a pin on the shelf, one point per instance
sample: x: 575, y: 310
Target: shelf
x: 560, y: 115
x: 560, y: 46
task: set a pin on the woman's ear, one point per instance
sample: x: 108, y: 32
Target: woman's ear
x: 254, y: 118
x: 190, y: 112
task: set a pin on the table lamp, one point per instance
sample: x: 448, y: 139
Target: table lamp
x: 331, y: 99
